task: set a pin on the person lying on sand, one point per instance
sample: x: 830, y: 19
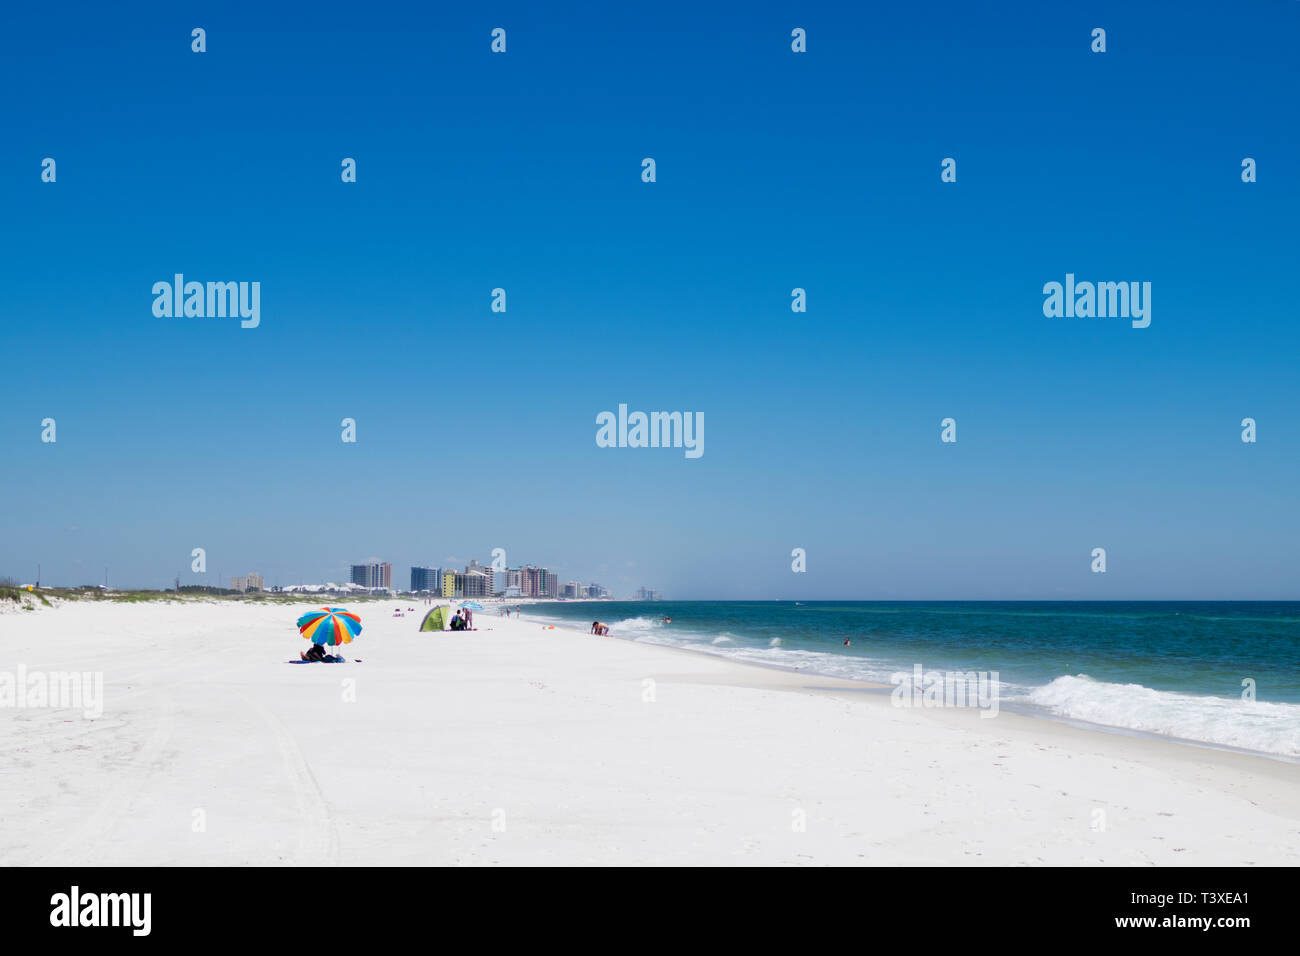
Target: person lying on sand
x: 317, y: 653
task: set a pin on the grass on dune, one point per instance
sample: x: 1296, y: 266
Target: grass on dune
x: 10, y: 590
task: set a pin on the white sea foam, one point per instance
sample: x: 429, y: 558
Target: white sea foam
x: 654, y: 631
x: 1226, y: 721
x: 1260, y: 726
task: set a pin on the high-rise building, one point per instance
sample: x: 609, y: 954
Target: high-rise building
x: 530, y: 581
x: 449, y: 583
x: 538, y: 582
x: 426, y: 579
x: 571, y: 589
x: 254, y: 582
x: 476, y: 582
x: 489, y: 584
x: 373, y: 575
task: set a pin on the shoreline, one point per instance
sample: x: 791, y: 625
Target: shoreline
x: 843, y: 684
x: 1014, y: 707
x: 1272, y: 765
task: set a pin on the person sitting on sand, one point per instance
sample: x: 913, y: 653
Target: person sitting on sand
x: 317, y: 653
x: 457, y: 622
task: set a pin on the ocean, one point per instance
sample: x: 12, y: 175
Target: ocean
x: 1171, y: 668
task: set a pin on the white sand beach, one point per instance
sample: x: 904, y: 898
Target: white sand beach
x: 518, y: 744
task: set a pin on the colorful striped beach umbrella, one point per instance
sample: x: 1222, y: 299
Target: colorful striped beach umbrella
x: 330, y: 625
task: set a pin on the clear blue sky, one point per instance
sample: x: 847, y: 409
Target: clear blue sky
x: 775, y: 170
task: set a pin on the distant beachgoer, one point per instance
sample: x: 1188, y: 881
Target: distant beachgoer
x: 846, y: 642
x: 469, y: 620
x: 595, y: 625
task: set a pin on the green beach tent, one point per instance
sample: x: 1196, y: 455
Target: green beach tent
x: 438, y: 619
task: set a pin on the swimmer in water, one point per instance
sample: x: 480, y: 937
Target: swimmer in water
x: 846, y: 642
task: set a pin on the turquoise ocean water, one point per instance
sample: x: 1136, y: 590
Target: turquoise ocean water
x: 1167, y: 668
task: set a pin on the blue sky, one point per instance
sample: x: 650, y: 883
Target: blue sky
x: 775, y: 170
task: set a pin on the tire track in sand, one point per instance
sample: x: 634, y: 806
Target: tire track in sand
x: 76, y: 848
x: 318, y: 840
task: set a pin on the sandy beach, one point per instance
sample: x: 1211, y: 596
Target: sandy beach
x: 522, y: 744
